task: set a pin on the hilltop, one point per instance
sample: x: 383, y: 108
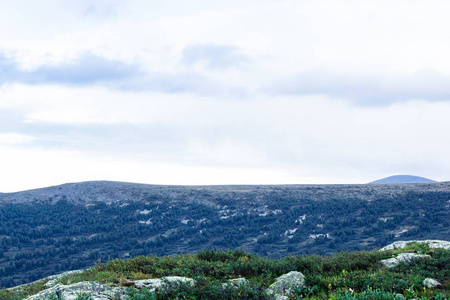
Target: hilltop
x: 402, y: 179
x: 114, y: 192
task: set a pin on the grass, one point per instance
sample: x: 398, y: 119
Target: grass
x: 344, y: 275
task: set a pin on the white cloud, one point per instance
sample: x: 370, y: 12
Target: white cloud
x: 14, y: 138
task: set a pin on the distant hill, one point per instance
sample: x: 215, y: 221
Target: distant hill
x: 402, y: 179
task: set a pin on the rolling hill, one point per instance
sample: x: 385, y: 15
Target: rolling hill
x: 402, y: 179
x: 72, y: 226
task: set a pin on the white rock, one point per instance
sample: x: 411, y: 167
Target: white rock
x: 430, y: 243
x: 284, y: 284
x: 96, y: 290
x: 55, y: 278
x: 235, y: 282
x: 431, y: 283
x: 153, y: 284
x: 406, y: 257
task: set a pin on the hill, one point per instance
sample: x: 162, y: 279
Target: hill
x: 402, y: 179
x: 72, y: 226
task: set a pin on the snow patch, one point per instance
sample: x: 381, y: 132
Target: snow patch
x: 290, y: 231
x: 315, y: 236
x: 300, y: 219
x: 148, y: 222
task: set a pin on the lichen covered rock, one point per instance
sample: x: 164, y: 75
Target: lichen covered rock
x: 402, y: 257
x: 55, y: 278
x: 235, y: 282
x: 430, y: 243
x: 284, y: 284
x: 431, y: 283
x: 153, y: 284
x: 96, y: 290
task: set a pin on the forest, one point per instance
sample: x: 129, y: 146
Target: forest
x: 38, y: 239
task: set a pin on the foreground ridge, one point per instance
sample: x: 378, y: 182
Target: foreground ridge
x: 236, y: 274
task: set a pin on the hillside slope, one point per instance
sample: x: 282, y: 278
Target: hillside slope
x: 236, y: 274
x: 46, y: 231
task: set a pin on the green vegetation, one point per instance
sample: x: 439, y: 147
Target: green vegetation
x: 344, y: 275
x: 49, y: 236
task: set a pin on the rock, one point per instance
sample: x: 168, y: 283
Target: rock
x: 284, y: 284
x: 400, y: 296
x: 406, y: 257
x: 96, y: 290
x: 430, y: 243
x: 431, y: 283
x: 55, y: 278
x: 153, y: 284
x: 281, y: 297
x: 235, y: 282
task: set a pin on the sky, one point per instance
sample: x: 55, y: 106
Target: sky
x: 223, y: 92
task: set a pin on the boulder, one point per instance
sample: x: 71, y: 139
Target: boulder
x: 431, y: 283
x: 235, y: 282
x: 153, y: 284
x: 284, y: 285
x: 406, y: 257
x: 430, y: 243
x: 96, y: 290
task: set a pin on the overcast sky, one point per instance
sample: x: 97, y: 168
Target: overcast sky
x: 223, y: 92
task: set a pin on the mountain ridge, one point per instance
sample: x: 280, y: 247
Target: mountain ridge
x: 116, y: 191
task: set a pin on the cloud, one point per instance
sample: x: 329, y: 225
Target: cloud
x: 11, y: 119
x: 86, y: 69
x: 89, y: 70
x: 14, y: 138
x: 171, y: 83
x: 364, y: 89
x: 214, y: 56
x: 101, y: 9
x: 9, y: 71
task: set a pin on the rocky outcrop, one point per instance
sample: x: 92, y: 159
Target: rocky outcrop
x: 408, y: 257
x: 280, y: 290
x: 430, y: 243
x: 402, y: 257
x: 431, y: 283
x: 96, y: 290
x: 284, y: 285
x: 99, y: 291
x: 55, y: 278
x: 153, y: 284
